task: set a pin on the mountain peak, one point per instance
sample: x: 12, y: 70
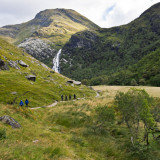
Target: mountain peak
x: 52, y: 14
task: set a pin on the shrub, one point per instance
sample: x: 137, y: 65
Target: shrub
x: 133, y: 82
x: 3, y: 134
x: 135, y: 107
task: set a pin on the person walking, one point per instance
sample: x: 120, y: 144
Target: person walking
x: 69, y: 97
x: 61, y: 97
x: 74, y: 96
x: 21, y: 103
x: 26, y: 102
x: 65, y: 97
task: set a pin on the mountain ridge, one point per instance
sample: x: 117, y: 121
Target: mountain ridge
x: 52, y: 26
x: 113, y: 49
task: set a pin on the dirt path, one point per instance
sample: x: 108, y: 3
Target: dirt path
x: 51, y: 105
x: 55, y: 103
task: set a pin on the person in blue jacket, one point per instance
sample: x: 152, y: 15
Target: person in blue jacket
x: 26, y: 102
x: 21, y: 103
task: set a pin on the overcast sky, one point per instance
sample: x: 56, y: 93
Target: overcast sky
x: 105, y: 13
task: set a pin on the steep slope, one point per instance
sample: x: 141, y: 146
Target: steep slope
x: 51, y: 27
x: 145, y: 72
x: 90, y: 54
x: 16, y: 67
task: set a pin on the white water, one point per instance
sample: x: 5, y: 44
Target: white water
x: 56, y: 67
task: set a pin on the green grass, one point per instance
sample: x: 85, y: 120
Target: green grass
x: 68, y: 131
x: 47, y: 88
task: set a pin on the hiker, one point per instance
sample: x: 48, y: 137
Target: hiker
x: 61, y: 97
x: 65, y: 98
x: 69, y: 97
x: 26, y: 102
x: 74, y: 96
x: 21, y: 103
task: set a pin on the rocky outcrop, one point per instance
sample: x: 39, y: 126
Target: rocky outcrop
x: 13, y: 64
x: 9, y: 120
x: 38, y: 48
x: 3, y: 65
x: 31, y: 77
x: 22, y: 63
x: 81, y: 40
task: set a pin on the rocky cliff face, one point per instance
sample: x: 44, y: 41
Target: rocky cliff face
x: 44, y: 35
x: 38, y: 48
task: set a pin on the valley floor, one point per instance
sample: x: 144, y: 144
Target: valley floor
x: 68, y: 131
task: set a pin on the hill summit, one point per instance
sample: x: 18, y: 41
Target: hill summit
x: 50, y: 28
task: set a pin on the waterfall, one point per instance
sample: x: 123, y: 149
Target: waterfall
x: 56, y: 67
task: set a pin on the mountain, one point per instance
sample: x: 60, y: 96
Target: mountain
x: 145, y: 72
x: 47, y: 32
x: 104, y: 52
x: 22, y: 76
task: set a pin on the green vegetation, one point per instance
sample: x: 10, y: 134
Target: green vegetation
x: 116, y: 55
x: 84, y: 129
x: 47, y: 88
x: 55, y: 25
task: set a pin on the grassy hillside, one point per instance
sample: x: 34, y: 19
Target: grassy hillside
x: 72, y: 130
x: 45, y: 90
x: 145, y: 72
x: 90, y: 54
x: 51, y: 28
x: 56, y: 25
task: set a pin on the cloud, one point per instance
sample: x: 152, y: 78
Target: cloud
x: 105, y: 13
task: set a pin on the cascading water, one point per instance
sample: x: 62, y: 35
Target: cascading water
x: 56, y: 67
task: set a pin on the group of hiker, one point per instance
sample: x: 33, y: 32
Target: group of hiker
x: 62, y: 98
x: 66, y: 98
x: 22, y: 104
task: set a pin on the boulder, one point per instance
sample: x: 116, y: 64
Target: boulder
x: 77, y: 83
x: 31, y: 77
x: 3, y: 65
x: 9, y: 120
x: 14, y: 93
x: 70, y: 81
x: 74, y: 82
x: 13, y: 64
x: 52, y: 71
x: 23, y: 64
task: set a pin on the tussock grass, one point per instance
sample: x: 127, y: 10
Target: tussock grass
x: 67, y: 131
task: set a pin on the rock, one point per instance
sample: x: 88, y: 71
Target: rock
x: 14, y: 93
x: 70, y: 81
x: 9, y: 120
x: 74, y: 82
x: 31, y: 77
x: 13, y: 64
x: 35, y: 141
x: 38, y: 48
x: 3, y: 65
x: 44, y: 66
x: 77, y: 83
x: 52, y: 71
x: 22, y: 63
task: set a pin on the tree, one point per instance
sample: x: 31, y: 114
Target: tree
x: 135, y: 107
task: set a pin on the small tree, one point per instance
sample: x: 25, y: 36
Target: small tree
x: 133, y: 82
x: 134, y: 106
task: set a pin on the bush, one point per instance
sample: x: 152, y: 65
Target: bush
x: 3, y: 134
x: 133, y: 82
